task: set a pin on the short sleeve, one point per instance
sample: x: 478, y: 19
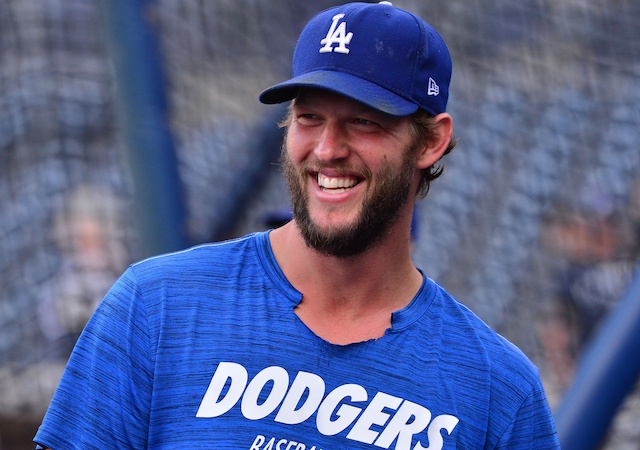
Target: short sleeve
x: 532, y: 426
x: 103, y: 398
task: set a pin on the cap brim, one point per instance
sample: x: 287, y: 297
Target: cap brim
x: 341, y: 83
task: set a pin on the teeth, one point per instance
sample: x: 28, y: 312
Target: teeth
x: 336, y: 182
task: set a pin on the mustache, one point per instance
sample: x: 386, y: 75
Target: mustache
x: 341, y: 168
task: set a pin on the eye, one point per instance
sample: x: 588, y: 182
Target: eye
x: 365, y: 124
x: 307, y: 118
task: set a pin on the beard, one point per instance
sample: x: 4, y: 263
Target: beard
x: 380, y: 209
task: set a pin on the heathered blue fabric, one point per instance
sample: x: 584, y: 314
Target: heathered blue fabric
x: 439, y: 378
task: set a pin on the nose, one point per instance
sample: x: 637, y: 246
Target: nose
x: 333, y: 143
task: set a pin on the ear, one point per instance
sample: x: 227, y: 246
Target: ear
x: 435, y: 147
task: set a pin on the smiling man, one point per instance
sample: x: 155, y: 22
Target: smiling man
x: 321, y: 334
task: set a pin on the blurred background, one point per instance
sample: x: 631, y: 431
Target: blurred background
x: 132, y: 127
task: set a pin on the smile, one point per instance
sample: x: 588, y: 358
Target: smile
x: 336, y: 184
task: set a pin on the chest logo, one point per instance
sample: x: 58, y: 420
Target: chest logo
x: 337, y: 35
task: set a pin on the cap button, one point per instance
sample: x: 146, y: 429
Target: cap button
x: 385, y: 3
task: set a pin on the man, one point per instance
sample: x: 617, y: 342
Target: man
x: 321, y: 334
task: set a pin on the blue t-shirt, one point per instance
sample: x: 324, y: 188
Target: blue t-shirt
x: 201, y: 349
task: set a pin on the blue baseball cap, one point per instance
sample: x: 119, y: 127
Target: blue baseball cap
x: 374, y: 53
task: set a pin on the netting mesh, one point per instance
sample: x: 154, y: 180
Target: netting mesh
x: 534, y: 224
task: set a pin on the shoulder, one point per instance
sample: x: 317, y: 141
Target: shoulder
x: 514, y: 397
x: 189, y: 273
x: 205, y: 253
x: 210, y: 258
x: 503, y: 361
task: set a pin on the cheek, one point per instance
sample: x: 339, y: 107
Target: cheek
x: 392, y: 155
x: 293, y: 155
x: 292, y: 165
x: 298, y: 144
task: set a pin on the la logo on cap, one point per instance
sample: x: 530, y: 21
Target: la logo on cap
x: 337, y: 34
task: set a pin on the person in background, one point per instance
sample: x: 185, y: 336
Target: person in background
x: 595, y: 245
x: 322, y: 333
x: 87, y: 231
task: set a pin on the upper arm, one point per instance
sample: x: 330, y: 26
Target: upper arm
x: 103, y: 398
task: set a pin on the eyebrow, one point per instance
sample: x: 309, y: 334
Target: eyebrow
x: 361, y: 107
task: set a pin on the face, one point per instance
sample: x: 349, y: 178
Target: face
x: 351, y: 172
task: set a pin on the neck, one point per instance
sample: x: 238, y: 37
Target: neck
x: 348, y: 299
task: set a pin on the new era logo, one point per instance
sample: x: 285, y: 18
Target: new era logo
x: 433, y: 89
x: 337, y: 34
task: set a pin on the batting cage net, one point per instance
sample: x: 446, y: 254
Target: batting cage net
x: 534, y: 225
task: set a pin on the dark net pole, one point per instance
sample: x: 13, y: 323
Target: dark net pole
x: 606, y: 374
x: 159, y: 210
